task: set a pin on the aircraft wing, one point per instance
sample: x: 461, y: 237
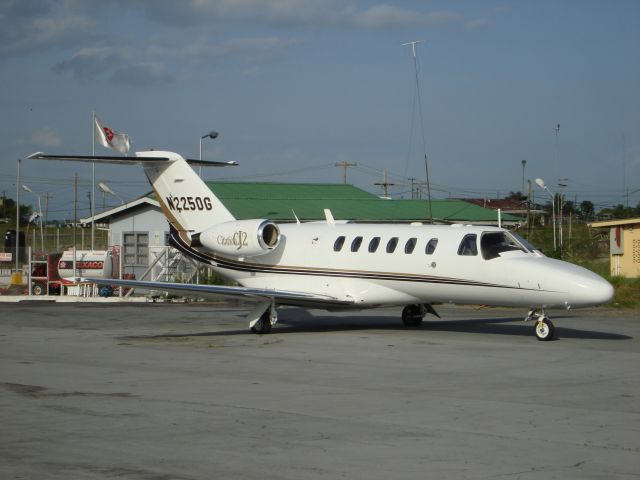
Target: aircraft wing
x: 281, y: 297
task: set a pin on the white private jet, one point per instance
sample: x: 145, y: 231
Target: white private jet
x: 340, y: 266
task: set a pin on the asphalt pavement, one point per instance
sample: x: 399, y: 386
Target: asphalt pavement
x: 185, y: 391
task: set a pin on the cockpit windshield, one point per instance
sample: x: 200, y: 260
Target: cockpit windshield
x: 525, y: 243
x: 493, y: 244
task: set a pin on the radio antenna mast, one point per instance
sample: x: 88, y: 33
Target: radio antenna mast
x: 418, y: 98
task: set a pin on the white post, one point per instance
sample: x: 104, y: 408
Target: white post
x: 29, y: 272
x: 17, y: 249
x: 93, y: 181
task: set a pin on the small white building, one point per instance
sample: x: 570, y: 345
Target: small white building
x: 140, y: 231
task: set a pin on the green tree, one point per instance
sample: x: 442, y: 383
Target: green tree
x: 8, y: 210
x: 587, y: 209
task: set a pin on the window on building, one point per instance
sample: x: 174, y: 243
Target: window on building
x: 431, y: 246
x: 410, y: 245
x: 392, y: 244
x: 373, y: 244
x: 136, y: 248
x: 337, y: 246
x: 469, y: 245
x: 355, y: 244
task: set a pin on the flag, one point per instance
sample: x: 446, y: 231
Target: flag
x: 109, y: 138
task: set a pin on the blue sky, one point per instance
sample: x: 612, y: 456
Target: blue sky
x: 295, y: 86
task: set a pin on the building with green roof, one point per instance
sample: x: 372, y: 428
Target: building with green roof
x: 284, y: 202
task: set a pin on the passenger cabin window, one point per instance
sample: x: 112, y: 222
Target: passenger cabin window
x: 492, y: 244
x: 373, y: 244
x: 469, y: 245
x: 355, y: 245
x: 431, y: 246
x: 392, y: 244
x: 337, y: 246
x: 410, y: 245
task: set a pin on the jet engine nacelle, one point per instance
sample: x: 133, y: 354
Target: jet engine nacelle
x: 239, y: 238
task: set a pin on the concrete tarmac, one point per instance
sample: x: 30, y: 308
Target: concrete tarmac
x: 184, y: 391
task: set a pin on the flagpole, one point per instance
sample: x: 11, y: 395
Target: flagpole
x: 93, y: 181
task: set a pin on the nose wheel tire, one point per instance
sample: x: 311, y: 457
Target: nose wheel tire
x: 544, y: 330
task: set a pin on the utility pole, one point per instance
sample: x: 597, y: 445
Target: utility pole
x: 47, y: 196
x: 345, y: 165
x: 385, y: 184
x: 524, y: 163
x: 558, y: 170
x: 412, y: 179
x: 529, y: 210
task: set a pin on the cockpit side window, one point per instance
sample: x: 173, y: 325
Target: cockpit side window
x: 431, y: 246
x: 492, y: 244
x: 469, y: 245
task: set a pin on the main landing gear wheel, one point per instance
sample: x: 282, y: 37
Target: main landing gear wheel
x: 544, y: 329
x: 412, y: 315
x: 263, y: 325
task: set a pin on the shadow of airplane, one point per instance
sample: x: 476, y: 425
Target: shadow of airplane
x: 301, y: 321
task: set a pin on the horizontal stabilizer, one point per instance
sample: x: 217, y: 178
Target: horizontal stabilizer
x: 101, y: 159
x: 117, y: 160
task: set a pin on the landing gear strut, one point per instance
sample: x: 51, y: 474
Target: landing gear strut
x: 543, y: 329
x: 264, y: 317
x: 263, y: 325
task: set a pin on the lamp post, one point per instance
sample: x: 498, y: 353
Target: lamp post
x: 25, y: 187
x: 104, y: 188
x: 212, y: 135
x: 542, y: 185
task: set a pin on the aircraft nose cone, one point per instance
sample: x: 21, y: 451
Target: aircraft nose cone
x: 590, y: 289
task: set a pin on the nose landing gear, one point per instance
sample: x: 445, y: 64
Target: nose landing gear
x: 543, y: 329
x: 412, y: 315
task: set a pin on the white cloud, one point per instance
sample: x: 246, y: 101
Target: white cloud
x: 45, y: 137
x: 382, y: 16
x: 30, y: 26
x: 477, y: 23
x: 142, y: 74
x: 91, y: 62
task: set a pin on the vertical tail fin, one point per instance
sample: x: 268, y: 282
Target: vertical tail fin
x: 187, y: 202
x: 189, y: 205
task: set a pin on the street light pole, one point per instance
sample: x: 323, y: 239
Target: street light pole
x: 25, y: 187
x: 212, y: 135
x: 542, y: 185
x: 18, y: 269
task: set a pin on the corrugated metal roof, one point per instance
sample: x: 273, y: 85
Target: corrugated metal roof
x: 284, y: 191
x: 279, y: 201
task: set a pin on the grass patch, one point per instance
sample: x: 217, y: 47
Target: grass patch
x: 627, y: 292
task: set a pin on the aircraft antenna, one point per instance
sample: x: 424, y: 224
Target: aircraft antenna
x: 418, y: 99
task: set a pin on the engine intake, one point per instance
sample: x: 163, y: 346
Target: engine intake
x: 239, y: 238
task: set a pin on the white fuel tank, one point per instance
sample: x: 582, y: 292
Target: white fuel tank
x: 89, y: 263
